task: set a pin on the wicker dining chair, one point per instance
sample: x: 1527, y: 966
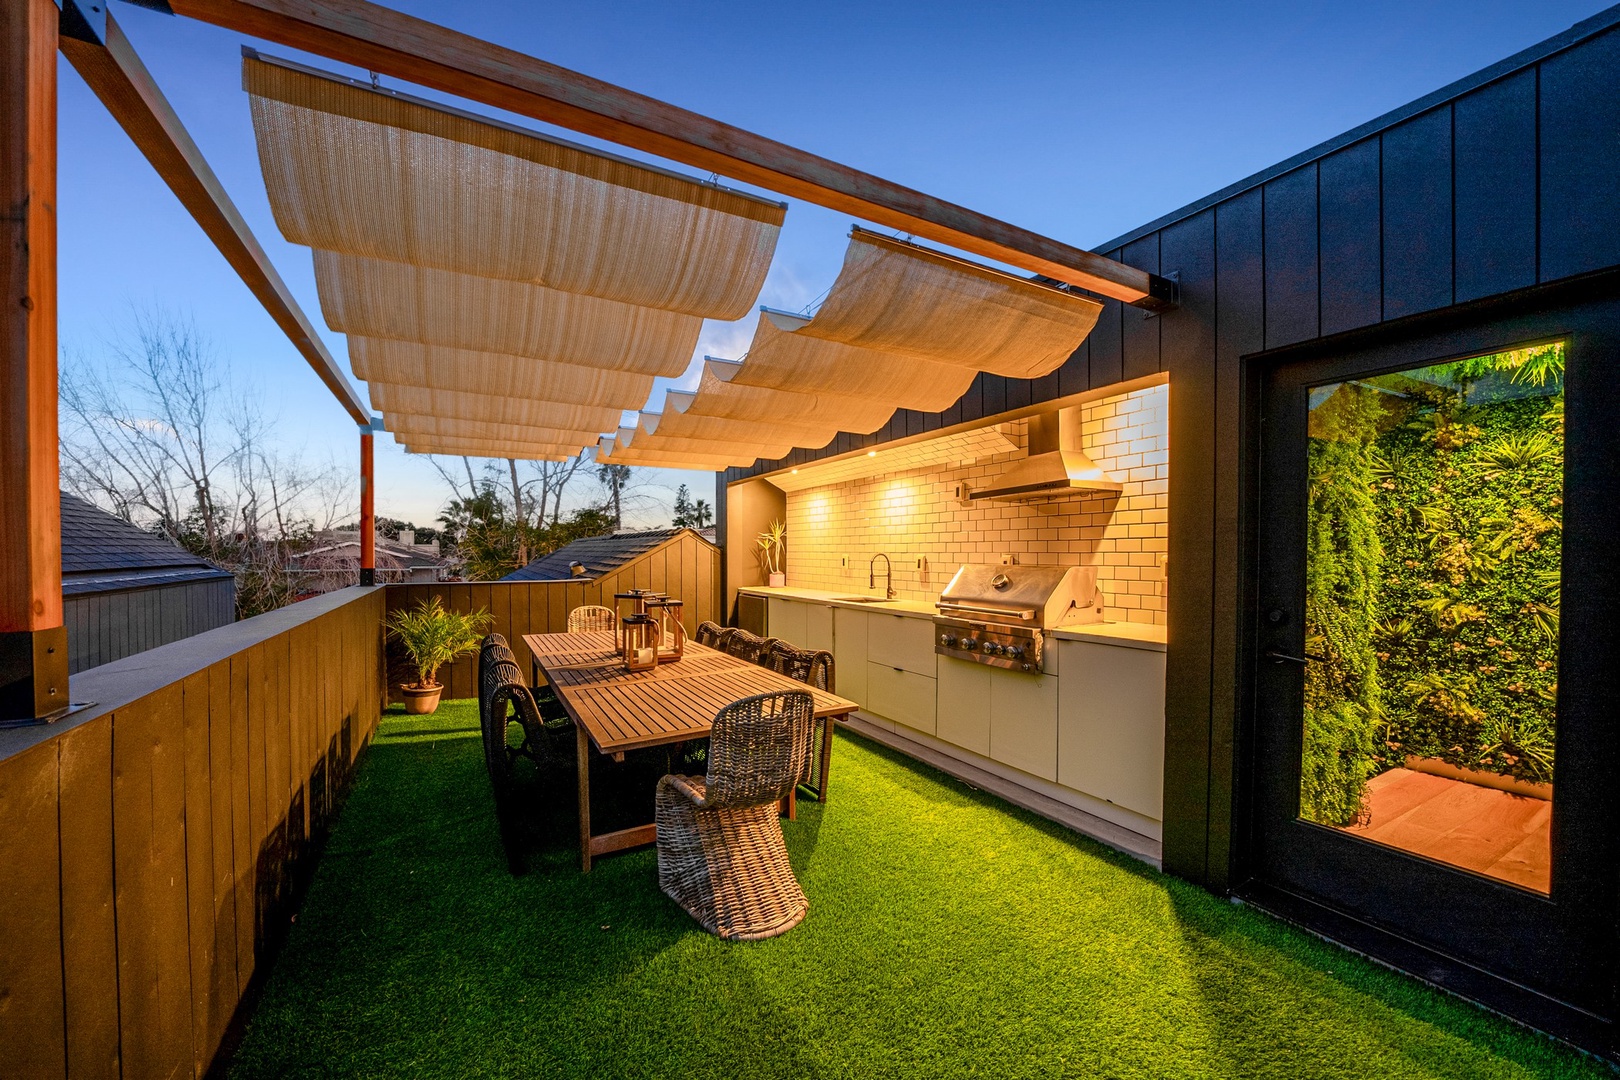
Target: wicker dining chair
x: 745, y: 646
x: 710, y: 634
x: 488, y: 651
x: 592, y: 617
x: 504, y: 699
x: 814, y: 667
x: 720, y: 850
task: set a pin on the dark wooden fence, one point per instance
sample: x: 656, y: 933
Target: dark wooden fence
x: 151, y: 847
x: 686, y: 568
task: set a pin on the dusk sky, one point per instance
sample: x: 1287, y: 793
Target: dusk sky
x: 1076, y: 120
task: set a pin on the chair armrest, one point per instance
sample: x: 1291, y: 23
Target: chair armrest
x: 689, y: 787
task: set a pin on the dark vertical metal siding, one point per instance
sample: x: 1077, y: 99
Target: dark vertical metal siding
x: 1292, y: 282
x: 1494, y: 158
x: 1351, y: 238
x: 1417, y: 215
x: 1580, y: 159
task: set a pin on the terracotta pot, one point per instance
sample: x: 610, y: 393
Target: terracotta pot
x: 420, y: 701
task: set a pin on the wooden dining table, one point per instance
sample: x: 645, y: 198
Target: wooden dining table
x: 615, y: 710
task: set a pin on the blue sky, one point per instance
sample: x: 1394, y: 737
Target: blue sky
x: 1079, y: 120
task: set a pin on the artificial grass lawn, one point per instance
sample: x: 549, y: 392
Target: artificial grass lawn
x: 949, y: 935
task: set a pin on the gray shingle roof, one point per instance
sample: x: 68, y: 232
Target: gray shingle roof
x: 101, y: 552
x: 598, y: 554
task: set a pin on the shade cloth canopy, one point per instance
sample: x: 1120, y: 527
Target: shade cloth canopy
x: 897, y: 297
x: 718, y: 396
x: 436, y: 367
x: 676, y: 420
x: 640, y: 440
x: 379, y: 299
x: 782, y: 359
x: 490, y: 409
x: 609, y: 452
x: 499, y: 449
x: 362, y: 171
x: 407, y: 425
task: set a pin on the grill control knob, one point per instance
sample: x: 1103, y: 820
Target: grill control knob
x: 969, y: 644
x: 1014, y: 652
x: 947, y: 640
x: 990, y: 648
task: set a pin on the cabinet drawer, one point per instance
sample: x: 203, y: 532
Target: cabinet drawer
x: 899, y: 641
x: 963, y: 711
x: 902, y: 696
x: 1024, y: 722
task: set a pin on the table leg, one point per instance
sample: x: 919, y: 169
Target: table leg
x: 826, y: 757
x: 583, y: 743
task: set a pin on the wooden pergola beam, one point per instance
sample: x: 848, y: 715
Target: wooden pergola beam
x: 33, y: 642
x: 102, y: 56
x: 424, y: 53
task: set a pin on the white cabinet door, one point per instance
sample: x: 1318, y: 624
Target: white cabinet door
x: 902, y: 696
x: 849, y: 654
x: 818, y: 627
x: 901, y: 641
x: 1111, y: 725
x: 963, y: 705
x: 785, y: 619
x: 1023, y: 721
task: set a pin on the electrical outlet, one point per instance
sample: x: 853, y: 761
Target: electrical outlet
x: 922, y: 565
x: 1009, y: 560
x: 843, y: 562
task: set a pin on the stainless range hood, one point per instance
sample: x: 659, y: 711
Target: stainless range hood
x: 1054, y: 466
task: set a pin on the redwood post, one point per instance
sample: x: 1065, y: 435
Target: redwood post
x: 368, y: 514
x: 33, y: 641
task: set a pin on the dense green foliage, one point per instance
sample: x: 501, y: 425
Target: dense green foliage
x: 1433, y: 580
x: 949, y: 935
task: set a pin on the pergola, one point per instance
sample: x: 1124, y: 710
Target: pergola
x: 805, y: 379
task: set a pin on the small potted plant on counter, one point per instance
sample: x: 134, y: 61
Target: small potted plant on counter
x: 772, y: 546
x: 432, y: 637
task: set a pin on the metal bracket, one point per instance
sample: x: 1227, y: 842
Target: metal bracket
x: 1164, y: 293
x: 84, y: 20
x: 373, y: 428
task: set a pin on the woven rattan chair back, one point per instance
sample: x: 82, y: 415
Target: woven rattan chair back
x: 507, y: 699
x: 592, y: 617
x: 746, y: 646
x: 759, y: 749
x: 488, y: 650
x: 710, y: 634
x: 809, y: 666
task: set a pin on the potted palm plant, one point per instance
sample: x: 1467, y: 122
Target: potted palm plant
x: 772, y: 547
x: 432, y: 637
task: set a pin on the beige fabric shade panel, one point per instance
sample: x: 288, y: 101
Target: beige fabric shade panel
x: 490, y: 409
x: 639, y: 440
x: 356, y: 170
x: 780, y: 358
x: 374, y: 298
x: 436, y: 367
x: 677, y: 421
x: 718, y: 396
x: 897, y: 297
x: 497, y: 450
x: 610, y: 452
x: 406, y: 425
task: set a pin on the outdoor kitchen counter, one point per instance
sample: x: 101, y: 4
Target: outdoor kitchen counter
x: 918, y: 609
x: 1130, y: 635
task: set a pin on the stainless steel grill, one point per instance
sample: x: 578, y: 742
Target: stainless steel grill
x: 999, y: 615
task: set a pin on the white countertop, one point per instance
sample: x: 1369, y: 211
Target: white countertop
x: 1129, y: 635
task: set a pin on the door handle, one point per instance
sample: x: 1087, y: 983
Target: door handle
x: 1278, y: 657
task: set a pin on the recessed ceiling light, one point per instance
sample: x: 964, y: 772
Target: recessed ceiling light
x: 871, y: 453
x: 794, y: 472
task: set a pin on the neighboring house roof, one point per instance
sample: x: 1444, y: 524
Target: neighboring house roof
x: 598, y: 554
x: 103, y: 553
x: 346, y: 552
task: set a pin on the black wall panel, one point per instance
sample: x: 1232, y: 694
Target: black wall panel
x: 1074, y: 377
x: 1352, y: 251
x: 1106, y: 358
x: 1240, y: 295
x: 1580, y: 159
x: 1495, y: 183
x: 1139, y: 336
x: 1291, y: 269
x: 1417, y: 215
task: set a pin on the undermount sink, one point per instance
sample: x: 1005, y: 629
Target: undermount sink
x: 863, y: 599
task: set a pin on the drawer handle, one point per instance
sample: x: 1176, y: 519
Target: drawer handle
x: 900, y: 669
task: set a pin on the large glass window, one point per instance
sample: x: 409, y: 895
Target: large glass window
x: 1432, y: 589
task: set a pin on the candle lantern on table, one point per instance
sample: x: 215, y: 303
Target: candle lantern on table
x: 639, y: 636
x: 672, y: 637
x: 636, y: 601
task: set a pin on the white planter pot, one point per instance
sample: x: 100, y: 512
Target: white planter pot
x: 778, y: 580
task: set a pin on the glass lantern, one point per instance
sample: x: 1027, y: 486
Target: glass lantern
x: 639, y: 636
x: 673, y: 631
